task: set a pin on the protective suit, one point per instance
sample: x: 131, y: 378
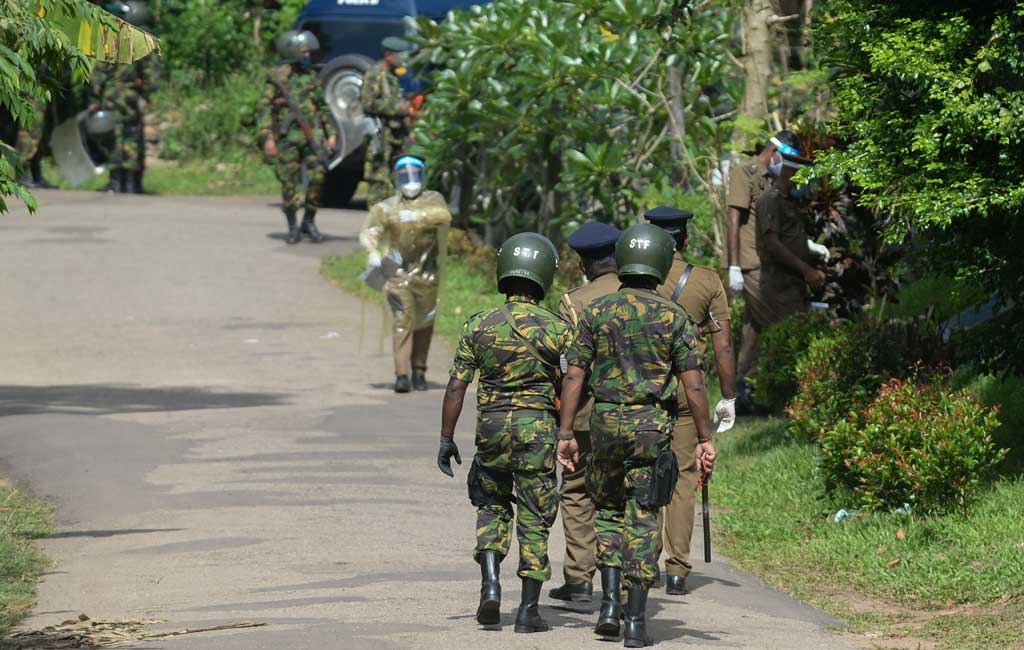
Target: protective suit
x: 412, y: 227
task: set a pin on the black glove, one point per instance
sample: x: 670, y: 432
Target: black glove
x: 445, y: 452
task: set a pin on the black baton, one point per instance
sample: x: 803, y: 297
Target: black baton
x: 706, y: 514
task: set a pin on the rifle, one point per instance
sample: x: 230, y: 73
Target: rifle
x: 705, y: 512
x: 307, y: 132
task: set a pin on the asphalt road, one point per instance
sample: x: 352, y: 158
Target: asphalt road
x: 214, y: 423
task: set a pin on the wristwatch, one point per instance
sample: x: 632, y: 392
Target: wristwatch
x: 564, y: 435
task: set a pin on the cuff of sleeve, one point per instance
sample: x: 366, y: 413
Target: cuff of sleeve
x: 462, y: 374
x: 565, y: 435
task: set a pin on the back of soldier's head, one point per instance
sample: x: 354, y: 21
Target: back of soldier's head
x: 526, y: 256
x: 644, y: 253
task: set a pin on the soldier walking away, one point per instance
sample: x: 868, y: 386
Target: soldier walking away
x: 409, y: 228
x: 635, y: 346
x: 517, y: 350
x: 595, y: 244
x: 381, y: 97
x: 787, y: 255
x: 29, y: 137
x: 295, y: 130
x: 748, y: 181
x: 124, y: 91
x: 698, y: 290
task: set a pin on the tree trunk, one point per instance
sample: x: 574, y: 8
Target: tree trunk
x: 676, y: 124
x: 757, y: 68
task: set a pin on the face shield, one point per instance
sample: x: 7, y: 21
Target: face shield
x: 409, y: 176
x: 295, y: 47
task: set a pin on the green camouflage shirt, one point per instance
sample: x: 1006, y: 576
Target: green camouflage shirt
x: 510, y: 376
x: 634, y: 346
x: 381, y: 97
x: 276, y: 118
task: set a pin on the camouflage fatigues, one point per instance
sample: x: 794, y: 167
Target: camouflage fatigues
x: 123, y: 89
x: 418, y: 230
x: 278, y: 122
x: 515, y: 435
x: 381, y: 97
x: 30, y: 135
x: 634, y: 346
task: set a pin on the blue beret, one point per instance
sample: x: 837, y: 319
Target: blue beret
x: 664, y: 215
x: 593, y: 236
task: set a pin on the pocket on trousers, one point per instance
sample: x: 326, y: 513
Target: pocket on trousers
x: 664, y: 476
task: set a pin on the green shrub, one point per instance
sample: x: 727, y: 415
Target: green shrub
x: 782, y: 344
x: 926, y: 445
x: 839, y: 372
x: 208, y: 40
x: 1002, y: 390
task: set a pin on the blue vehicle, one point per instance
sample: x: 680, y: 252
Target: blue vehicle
x: 350, y: 32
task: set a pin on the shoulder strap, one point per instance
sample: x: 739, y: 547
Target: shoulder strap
x: 527, y: 342
x: 573, y: 316
x: 657, y: 297
x: 682, y: 282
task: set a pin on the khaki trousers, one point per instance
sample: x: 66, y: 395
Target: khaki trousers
x: 410, y: 349
x: 409, y: 304
x: 578, y: 518
x: 678, y: 515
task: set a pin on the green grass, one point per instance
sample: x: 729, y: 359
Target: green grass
x: 773, y: 518
x: 22, y: 520
x: 240, y: 176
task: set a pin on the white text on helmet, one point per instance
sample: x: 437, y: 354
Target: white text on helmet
x: 521, y: 251
x: 640, y: 243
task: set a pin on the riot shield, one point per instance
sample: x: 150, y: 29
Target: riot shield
x: 75, y: 156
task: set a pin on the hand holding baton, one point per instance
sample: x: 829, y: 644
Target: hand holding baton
x: 705, y: 508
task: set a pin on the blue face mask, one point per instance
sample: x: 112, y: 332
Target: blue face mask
x: 801, y: 193
x: 306, y: 61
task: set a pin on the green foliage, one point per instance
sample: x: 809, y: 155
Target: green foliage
x: 924, y: 445
x: 1002, y: 391
x: 549, y: 112
x: 839, y: 372
x: 771, y: 515
x: 22, y: 520
x: 944, y: 296
x: 782, y: 344
x: 216, y: 121
x: 929, y: 100
x: 208, y: 40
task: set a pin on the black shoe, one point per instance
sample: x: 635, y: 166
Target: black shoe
x: 576, y: 592
x: 611, y: 607
x: 419, y: 380
x: 134, y: 183
x: 675, y: 585
x: 634, y: 633
x: 528, y: 619
x: 43, y: 184
x: 310, y: 230
x: 402, y: 384
x: 116, y: 183
x: 489, y: 611
x: 294, y: 235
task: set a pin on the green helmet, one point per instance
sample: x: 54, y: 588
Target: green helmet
x: 644, y: 249
x: 528, y: 255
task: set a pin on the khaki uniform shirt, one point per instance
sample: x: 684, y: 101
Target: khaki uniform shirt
x: 703, y: 296
x: 782, y: 215
x: 571, y: 308
x: 748, y: 181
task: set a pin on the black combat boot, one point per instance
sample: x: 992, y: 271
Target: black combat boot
x: 293, y: 229
x: 577, y: 592
x: 528, y: 619
x: 489, y: 611
x: 134, y: 183
x: 419, y: 380
x: 675, y: 585
x: 634, y: 634
x: 402, y: 384
x: 309, y: 228
x: 611, y: 607
x: 116, y: 182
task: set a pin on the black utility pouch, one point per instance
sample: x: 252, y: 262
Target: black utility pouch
x: 664, y: 477
x: 477, y: 496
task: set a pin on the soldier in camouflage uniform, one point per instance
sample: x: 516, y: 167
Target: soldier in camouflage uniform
x: 636, y: 346
x: 124, y: 90
x: 381, y: 97
x: 293, y: 95
x: 517, y: 350
x: 27, y: 146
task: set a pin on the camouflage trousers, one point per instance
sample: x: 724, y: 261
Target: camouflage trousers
x: 129, y: 150
x: 515, y: 453
x: 30, y: 134
x: 378, y: 170
x: 626, y: 441
x: 288, y: 167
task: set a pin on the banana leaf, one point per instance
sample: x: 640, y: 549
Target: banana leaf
x: 95, y: 37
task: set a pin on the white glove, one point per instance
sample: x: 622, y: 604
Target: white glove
x: 725, y: 415
x: 372, y: 260
x: 818, y: 249
x: 735, y: 279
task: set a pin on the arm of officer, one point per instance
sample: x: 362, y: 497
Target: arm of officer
x: 733, y: 225
x: 812, y: 276
x: 451, y: 408
x: 568, y: 453
x: 697, y: 399
x: 725, y: 361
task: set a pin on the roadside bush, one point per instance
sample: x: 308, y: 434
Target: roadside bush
x: 839, y: 372
x: 926, y: 445
x: 782, y: 344
x: 208, y: 40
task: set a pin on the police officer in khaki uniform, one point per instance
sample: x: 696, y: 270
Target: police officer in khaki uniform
x: 699, y: 291
x: 748, y: 181
x: 787, y: 255
x: 595, y: 244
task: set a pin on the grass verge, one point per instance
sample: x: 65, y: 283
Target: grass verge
x: 22, y: 520
x: 953, y: 581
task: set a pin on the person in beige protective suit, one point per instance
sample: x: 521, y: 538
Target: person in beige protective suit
x: 406, y: 236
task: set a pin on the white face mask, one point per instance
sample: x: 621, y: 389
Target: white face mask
x: 775, y: 166
x: 411, y: 190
